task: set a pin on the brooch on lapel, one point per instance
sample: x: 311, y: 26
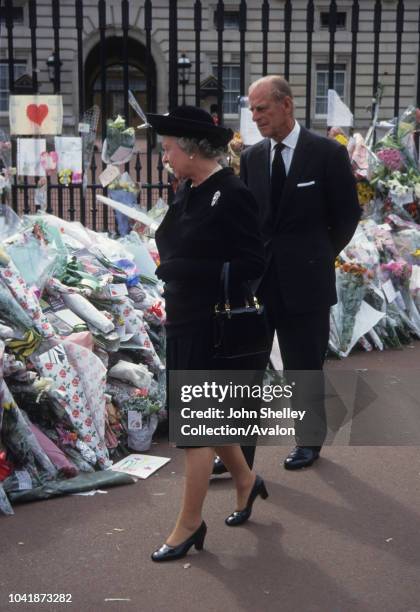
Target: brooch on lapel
x: 215, y: 198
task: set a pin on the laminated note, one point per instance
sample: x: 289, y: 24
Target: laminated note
x: 29, y: 151
x: 35, y: 115
x: 69, y: 152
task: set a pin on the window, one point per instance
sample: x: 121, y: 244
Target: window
x: 17, y: 14
x: 321, y: 97
x: 340, y: 20
x: 230, y: 20
x: 20, y: 69
x: 231, y: 87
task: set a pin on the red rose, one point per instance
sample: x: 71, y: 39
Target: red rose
x: 49, y: 366
x: 76, y: 413
x: 88, y: 422
x: 62, y: 373
x: 75, y: 398
x: 87, y: 438
x: 75, y: 382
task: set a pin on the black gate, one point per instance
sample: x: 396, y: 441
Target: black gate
x: 73, y: 202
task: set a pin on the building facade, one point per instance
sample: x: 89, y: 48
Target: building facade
x: 99, y: 47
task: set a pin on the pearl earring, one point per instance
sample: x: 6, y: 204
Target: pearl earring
x: 191, y: 156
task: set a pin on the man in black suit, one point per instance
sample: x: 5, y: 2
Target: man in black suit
x: 309, y: 211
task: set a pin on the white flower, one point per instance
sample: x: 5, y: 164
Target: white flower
x: 396, y: 188
x: 417, y: 190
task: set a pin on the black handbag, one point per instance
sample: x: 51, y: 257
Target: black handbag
x: 240, y: 330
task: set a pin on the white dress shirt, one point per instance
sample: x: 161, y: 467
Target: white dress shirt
x: 289, y: 147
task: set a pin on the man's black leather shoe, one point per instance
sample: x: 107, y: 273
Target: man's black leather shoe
x: 219, y: 467
x: 300, y: 457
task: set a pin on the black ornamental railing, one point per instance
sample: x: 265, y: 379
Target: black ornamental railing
x: 78, y: 202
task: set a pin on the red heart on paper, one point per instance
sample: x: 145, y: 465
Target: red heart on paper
x: 37, y: 113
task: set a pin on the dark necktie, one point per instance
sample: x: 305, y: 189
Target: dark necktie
x: 278, y: 178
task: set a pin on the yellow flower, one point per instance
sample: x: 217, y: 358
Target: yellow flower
x: 9, y: 405
x: 417, y: 253
x: 342, y: 139
x: 365, y: 193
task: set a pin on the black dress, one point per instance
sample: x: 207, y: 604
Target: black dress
x: 204, y: 227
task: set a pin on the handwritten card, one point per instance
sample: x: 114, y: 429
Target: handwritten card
x: 69, y: 151
x: 108, y: 175
x: 29, y: 151
x: 141, y: 466
x: 35, y: 115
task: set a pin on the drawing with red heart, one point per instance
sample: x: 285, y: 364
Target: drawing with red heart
x: 37, y: 112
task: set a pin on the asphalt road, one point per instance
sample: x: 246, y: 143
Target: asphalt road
x: 341, y: 536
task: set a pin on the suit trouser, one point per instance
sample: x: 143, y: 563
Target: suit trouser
x: 303, y: 341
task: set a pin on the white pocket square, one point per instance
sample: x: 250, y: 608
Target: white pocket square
x: 306, y: 184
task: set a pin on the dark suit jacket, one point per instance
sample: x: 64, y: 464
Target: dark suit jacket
x: 316, y: 217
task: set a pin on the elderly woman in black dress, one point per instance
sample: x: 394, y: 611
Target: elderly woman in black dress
x: 213, y: 219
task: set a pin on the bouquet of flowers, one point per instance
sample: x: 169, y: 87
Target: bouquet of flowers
x: 119, y: 143
x: 125, y: 191
x: 351, y: 288
x: 394, y: 170
x: 399, y: 274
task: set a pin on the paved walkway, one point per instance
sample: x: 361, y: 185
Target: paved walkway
x: 342, y: 536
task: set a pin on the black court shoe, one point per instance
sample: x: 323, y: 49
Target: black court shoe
x: 171, y: 553
x: 241, y: 516
x: 219, y: 467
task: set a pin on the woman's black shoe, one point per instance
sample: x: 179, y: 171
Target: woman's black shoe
x: 219, y: 467
x: 241, y: 516
x: 170, y: 553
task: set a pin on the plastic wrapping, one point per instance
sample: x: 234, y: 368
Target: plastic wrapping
x: 5, y: 507
x: 10, y: 223
x: 79, y: 484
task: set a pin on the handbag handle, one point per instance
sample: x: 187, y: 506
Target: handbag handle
x: 251, y: 301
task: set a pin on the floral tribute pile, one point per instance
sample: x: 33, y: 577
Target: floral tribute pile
x: 81, y: 342
x: 378, y: 273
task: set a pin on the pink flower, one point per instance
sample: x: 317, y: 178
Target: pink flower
x: 62, y: 373
x: 76, y: 413
x: 75, y: 398
x: 88, y: 422
x: 75, y: 382
x: 392, y: 158
x: 87, y: 438
x: 49, y: 366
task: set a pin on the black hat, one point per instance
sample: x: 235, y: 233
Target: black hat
x: 190, y: 122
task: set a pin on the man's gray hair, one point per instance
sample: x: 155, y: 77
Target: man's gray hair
x: 279, y: 86
x: 203, y: 147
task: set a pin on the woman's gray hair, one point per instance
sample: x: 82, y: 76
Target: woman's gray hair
x: 203, y: 147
